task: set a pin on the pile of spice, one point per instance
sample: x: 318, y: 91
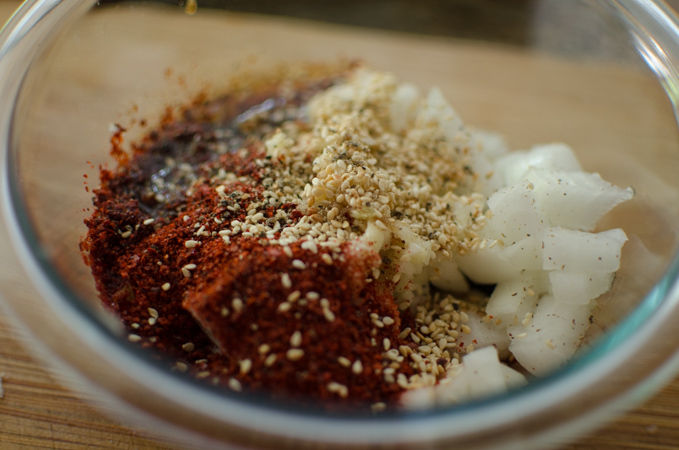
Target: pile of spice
x: 300, y: 237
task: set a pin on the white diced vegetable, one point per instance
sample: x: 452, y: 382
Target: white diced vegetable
x: 484, y: 333
x: 578, y: 288
x: 484, y: 371
x: 491, y: 144
x: 514, y: 215
x: 437, y: 110
x: 486, y: 267
x: 524, y: 255
x: 445, y: 275
x: 553, y: 157
x: 513, y: 379
x: 575, y: 200
x: 582, y: 252
x: 551, y: 338
x: 404, y: 104
x: 517, y: 297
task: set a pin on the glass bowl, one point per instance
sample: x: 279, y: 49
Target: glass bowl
x: 598, y: 75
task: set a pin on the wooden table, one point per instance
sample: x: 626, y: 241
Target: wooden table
x: 35, y: 412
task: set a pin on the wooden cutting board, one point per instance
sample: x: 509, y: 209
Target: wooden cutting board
x: 35, y: 412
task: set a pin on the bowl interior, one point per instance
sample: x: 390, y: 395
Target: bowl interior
x: 534, y: 80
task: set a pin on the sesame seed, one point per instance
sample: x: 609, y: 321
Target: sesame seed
x: 285, y: 281
x: 148, y: 221
x: 126, y: 234
x: 404, y: 333
x: 329, y: 315
x: 425, y: 349
x: 294, y: 296
x: 313, y: 295
x: 465, y: 329
x: 188, y: 347
x: 191, y: 243
x: 284, y: 307
x: 270, y: 360
x: 344, y: 361
x: 181, y: 366
x: 337, y: 388
x: 327, y: 259
x: 378, y: 407
x: 325, y: 303
x: 152, y: 321
x: 237, y: 304
x: 166, y: 286
x: 298, y: 264
x: 357, y: 367
x: 386, y: 343
x: 264, y: 349
x: 387, y: 320
x: 224, y: 311
x: 235, y: 385
x: 134, y: 338
x: 153, y: 313
x: 245, y: 366
x: 296, y: 339
x: 295, y: 354
x: 550, y: 344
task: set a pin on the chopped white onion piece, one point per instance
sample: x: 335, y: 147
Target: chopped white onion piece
x: 579, y: 251
x: 579, y: 288
x: 549, y: 339
x: 575, y: 200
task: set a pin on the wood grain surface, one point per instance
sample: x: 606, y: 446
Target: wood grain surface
x: 35, y: 412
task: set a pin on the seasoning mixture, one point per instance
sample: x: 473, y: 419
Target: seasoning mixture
x: 311, y: 235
